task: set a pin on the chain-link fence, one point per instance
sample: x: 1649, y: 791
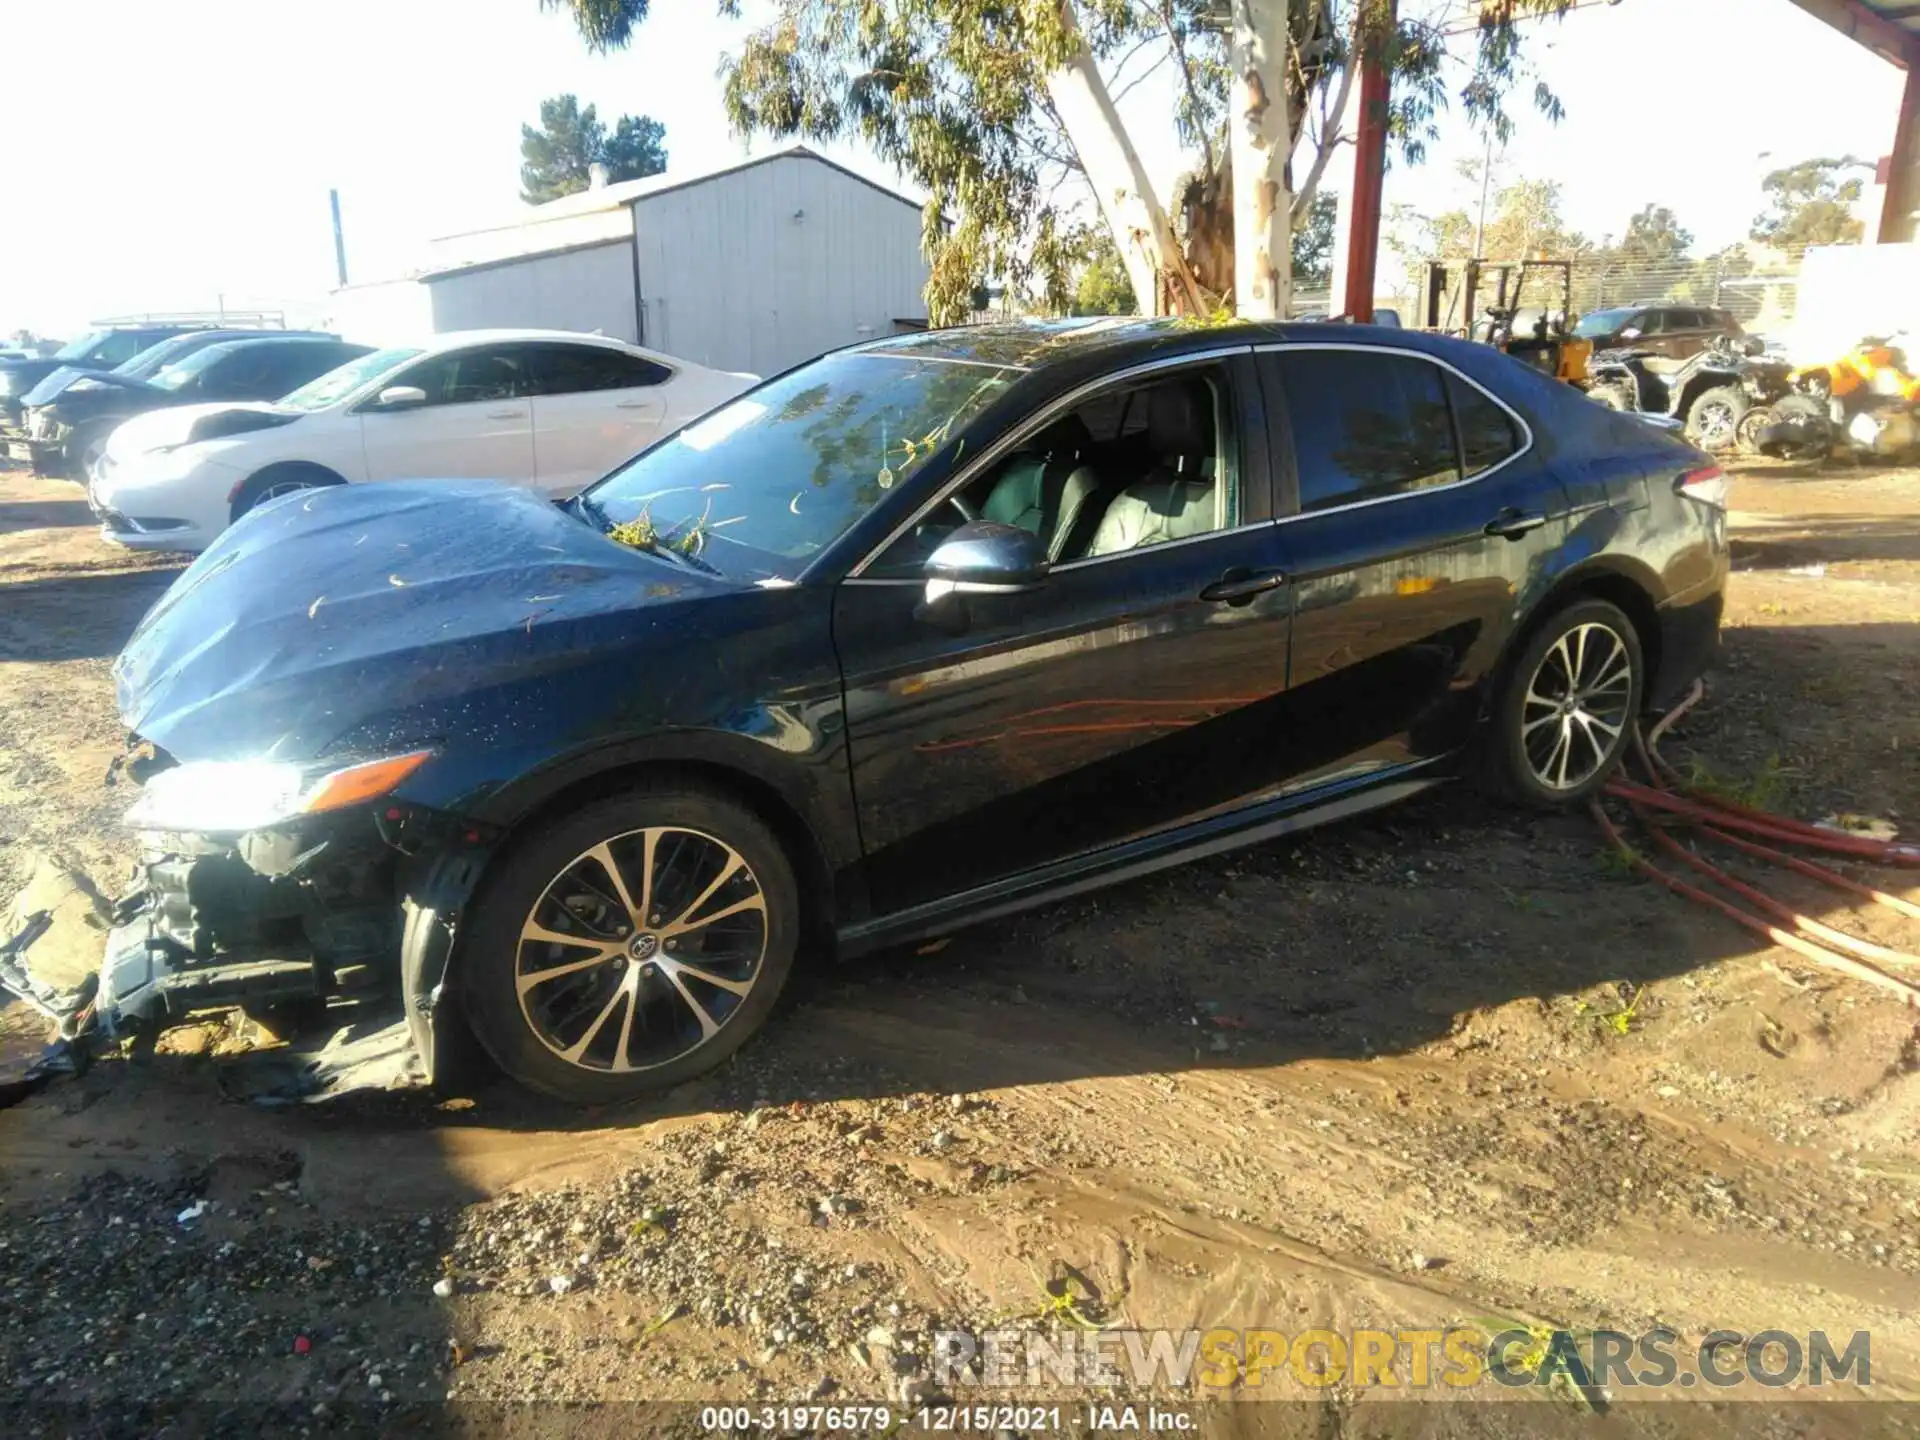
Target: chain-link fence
x: 1760, y: 287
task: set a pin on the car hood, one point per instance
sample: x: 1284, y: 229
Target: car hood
x: 28, y: 373
x: 364, y: 616
x: 158, y: 429
x: 63, y: 379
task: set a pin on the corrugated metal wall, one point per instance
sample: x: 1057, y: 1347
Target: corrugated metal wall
x: 769, y: 265
x: 588, y: 290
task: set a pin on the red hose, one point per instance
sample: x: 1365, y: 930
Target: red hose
x: 1734, y: 817
x: 1909, y: 994
x: 1824, y: 934
x: 1710, y: 813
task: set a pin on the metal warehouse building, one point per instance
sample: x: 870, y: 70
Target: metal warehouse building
x: 754, y: 267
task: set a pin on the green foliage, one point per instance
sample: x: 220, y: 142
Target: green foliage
x: 1654, y: 237
x: 554, y: 159
x: 1313, y: 237
x: 1808, y: 204
x: 1523, y: 222
x: 1103, y: 287
x: 953, y: 93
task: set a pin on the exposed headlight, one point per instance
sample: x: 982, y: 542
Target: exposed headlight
x: 221, y: 797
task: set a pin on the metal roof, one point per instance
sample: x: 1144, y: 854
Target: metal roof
x: 1891, y: 28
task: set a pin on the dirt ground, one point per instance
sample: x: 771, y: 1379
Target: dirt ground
x: 1446, y: 1064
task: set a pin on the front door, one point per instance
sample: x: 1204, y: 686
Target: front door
x: 1132, y: 691
x: 476, y: 422
x: 1414, y: 518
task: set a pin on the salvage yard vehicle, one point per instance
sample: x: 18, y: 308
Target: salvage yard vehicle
x: 101, y: 349
x: 1711, y: 391
x: 1676, y: 331
x: 548, y: 409
x: 68, y: 422
x: 1867, y: 399
x: 1521, y: 318
x: 918, y: 634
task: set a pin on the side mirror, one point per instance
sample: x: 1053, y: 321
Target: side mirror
x: 1632, y: 332
x: 400, y: 397
x: 983, y: 557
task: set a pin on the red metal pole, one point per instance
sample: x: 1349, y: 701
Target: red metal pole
x: 1896, y: 218
x: 1369, y: 174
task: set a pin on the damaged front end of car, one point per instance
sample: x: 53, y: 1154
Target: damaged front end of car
x: 305, y: 893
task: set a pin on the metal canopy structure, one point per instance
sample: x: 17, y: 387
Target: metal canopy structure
x: 1891, y: 29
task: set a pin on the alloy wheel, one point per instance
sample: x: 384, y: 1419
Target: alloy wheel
x: 641, y: 949
x: 1717, y: 425
x: 1576, y: 705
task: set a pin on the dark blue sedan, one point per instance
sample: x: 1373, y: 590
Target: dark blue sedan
x: 919, y: 633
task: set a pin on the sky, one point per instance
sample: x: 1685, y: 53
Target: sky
x: 181, y: 151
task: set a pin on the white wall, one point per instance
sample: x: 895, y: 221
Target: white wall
x: 586, y: 290
x: 768, y: 265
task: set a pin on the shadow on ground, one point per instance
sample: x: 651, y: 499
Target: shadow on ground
x: 86, y: 615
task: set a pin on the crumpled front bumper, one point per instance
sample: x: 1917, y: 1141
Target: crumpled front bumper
x: 331, y: 927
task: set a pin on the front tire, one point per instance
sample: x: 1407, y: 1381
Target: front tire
x: 1713, y: 419
x: 1566, y: 710
x: 278, y: 480
x: 631, y: 945
x: 1613, y: 395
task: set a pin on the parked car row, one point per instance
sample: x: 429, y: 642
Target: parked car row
x: 188, y: 434
x: 919, y: 633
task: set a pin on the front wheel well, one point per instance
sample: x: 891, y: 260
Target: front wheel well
x: 245, y: 494
x: 788, y: 825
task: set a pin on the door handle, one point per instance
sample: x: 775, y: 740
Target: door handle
x: 506, y: 414
x: 633, y: 405
x: 1512, y: 524
x: 1239, y: 586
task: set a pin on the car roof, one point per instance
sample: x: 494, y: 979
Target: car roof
x: 459, y: 339
x: 1115, y: 340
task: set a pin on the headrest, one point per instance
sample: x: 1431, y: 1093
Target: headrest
x: 1176, y: 424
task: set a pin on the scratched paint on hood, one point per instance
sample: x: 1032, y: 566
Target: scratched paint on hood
x: 364, y: 615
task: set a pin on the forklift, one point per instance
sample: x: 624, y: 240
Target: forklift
x: 1541, y: 337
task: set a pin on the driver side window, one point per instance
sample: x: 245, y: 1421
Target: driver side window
x: 1139, y: 464
x: 466, y: 377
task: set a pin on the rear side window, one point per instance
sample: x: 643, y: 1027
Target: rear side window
x: 1487, y: 432
x: 572, y: 369
x: 1365, y: 425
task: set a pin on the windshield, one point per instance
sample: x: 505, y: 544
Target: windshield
x: 759, y: 487
x: 336, y: 385
x: 1601, y: 322
x: 81, y: 348
x: 175, y: 375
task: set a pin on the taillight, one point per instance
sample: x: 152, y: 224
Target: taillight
x: 1708, y: 485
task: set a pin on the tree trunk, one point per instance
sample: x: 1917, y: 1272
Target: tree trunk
x: 1262, y: 141
x: 1154, y: 261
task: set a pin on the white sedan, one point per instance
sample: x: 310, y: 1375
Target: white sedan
x: 548, y: 409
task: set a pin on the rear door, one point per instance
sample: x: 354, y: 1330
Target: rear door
x: 476, y: 422
x: 1413, y: 513
x: 593, y: 407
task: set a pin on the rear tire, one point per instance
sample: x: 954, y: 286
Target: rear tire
x: 1713, y: 419
x: 1566, y: 709
x: 681, y: 957
x: 278, y: 480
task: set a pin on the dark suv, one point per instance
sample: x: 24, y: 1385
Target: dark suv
x: 1675, y: 330
x: 96, y: 350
